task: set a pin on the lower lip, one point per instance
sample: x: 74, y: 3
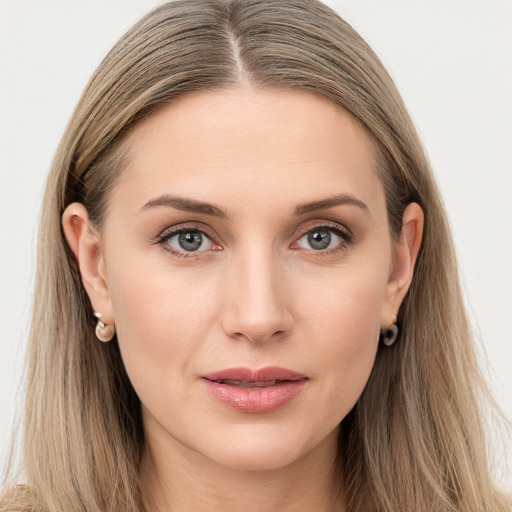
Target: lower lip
x: 256, y: 400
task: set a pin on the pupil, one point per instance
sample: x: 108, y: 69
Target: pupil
x: 190, y: 240
x: 319, y: 239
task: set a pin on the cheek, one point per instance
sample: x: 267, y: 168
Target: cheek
x: 160, y: 315
x: 345, y: 304
x: 344, y: 322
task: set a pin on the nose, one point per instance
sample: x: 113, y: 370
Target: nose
x: 256, y: 297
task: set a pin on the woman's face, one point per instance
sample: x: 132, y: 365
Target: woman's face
x: 248, y: 269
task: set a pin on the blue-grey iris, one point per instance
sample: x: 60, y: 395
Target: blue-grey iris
x: 319, y: 239
x: 190, y: 240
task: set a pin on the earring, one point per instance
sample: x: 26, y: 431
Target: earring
x: 390, y: 335
x: 103, y: 331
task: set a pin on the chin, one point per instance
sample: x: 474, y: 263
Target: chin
x: 256, y: 459
x: 264, y: 450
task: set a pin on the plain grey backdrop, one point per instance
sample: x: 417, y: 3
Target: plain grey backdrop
x: 451, y: 60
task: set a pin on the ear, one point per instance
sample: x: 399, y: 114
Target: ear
x: 84, y: 242
x: 404, y: 254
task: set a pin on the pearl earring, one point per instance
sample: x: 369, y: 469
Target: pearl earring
x: 389, y: 335
x: 103, y: 331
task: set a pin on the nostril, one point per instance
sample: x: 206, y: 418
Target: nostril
x: 260, y: 336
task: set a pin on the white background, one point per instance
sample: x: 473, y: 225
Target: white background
x: 452, y: 61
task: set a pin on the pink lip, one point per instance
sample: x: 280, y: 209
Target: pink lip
x: 255, y: 399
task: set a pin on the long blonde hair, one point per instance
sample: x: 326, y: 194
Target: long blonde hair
x: 414, y: 441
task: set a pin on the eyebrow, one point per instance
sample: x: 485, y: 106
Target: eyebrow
x: 186, y: 205
x: 330, y: 202
x: 193, y: 206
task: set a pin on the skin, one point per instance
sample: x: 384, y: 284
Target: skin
x: 255, y: 294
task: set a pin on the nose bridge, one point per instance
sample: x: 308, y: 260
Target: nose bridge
x: 255, y: 294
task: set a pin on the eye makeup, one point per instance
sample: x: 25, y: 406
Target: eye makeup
x: 192, y: 241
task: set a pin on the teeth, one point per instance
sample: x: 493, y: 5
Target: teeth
x: 262, y: 384
x: 248, y: 384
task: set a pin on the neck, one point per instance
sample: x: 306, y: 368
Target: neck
x: 179, y: 480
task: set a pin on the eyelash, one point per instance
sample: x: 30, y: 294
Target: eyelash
x: 164, y: 237
x: 346, y: 236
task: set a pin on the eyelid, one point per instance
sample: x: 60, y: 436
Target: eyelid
x: 186, y: 226
x: 339, y: 230
x: 316, y: 224
x: 169, y: 232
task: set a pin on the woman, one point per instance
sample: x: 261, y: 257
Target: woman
x: 241, y: 210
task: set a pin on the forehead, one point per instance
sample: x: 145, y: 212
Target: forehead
x: 260, y: 145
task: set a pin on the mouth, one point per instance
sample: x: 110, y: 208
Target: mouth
x: 260, y: 377
x: 249, y: 384
x: 255, y: 391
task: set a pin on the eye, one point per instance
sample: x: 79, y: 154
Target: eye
x: 187, y: 241
x: 324, y: 238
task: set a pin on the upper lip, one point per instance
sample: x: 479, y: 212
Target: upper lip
x: 270, y: 373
